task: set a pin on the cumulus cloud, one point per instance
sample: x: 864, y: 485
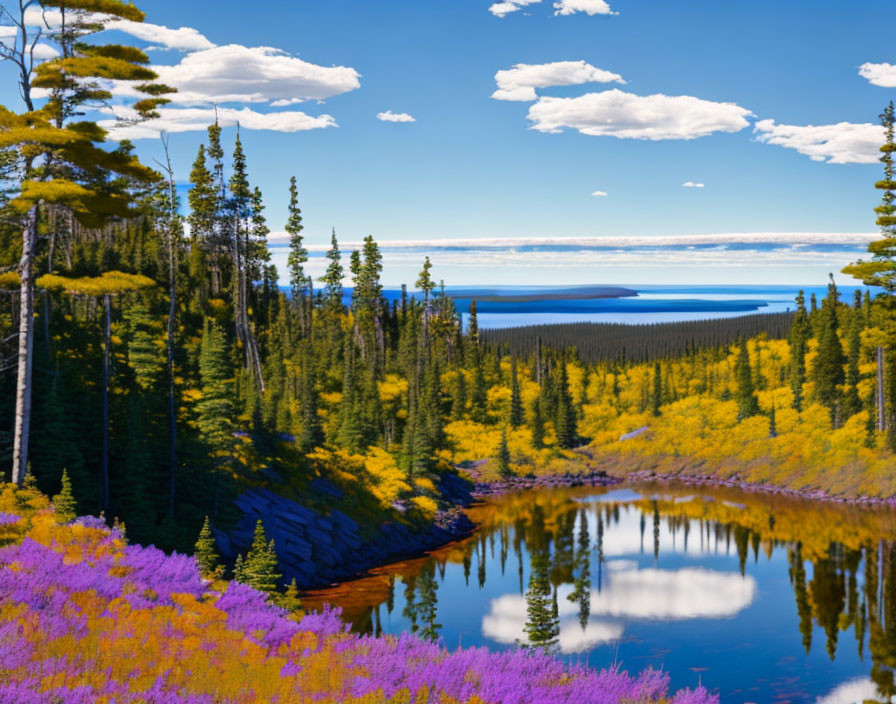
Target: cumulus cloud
x: 182, y: 38
x: 843, y: 143
x: 630, y: 594
x: 599, y: 193
x: 390, y: 116
x: 589, y: 7
x: 674, y: 594
x: 615, y: 113
x: 217, y: 75
x: 691, y: 184
x: 197, y: 119
x: 242, y: 74
x: 502, y: 9
x: 883, y: 75
x: 520, y: 82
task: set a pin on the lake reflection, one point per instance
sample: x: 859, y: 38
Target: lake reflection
x: 764, y: 599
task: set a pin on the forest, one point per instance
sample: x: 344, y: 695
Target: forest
x: 155, y: 359
x: 625, y: 342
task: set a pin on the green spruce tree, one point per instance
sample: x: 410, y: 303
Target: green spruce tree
x: 260, y: 569
x: 64, y: 503
x: 204, y: 551
x: 747, y: 405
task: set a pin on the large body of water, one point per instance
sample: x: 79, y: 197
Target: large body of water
x: 514, y: 306
x: 760, y: 598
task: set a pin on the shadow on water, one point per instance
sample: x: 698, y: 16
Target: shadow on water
x: 763, y: 598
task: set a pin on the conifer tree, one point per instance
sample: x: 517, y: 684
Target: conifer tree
x: 205, y: 250
x: 565, y: 423
x: 204, y: 551
x: 516, y: 400
x: 215, y: 408
x: 459, y: 396
x: 656, y: 397
x: 64, y: 502
x: 799, y: 342
x: 747, y: 405
x: 260, y: 570
x: 852, y: 403
x: 332, y: 279
x: 827, y: 371
x: 312, y: 434
x: 538, y: 430
x: 289, y: 600
x: 881, y: 269
x: 239, y: 570
x: 62, y: 164
x: 299, y: 282
x: 502, y: 459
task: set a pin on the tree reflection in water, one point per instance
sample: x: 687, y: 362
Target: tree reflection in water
x: 572, y: 594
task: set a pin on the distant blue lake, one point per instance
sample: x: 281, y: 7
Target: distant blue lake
x: 513, y: 306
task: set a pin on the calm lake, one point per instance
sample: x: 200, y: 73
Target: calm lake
x: 761, y: 598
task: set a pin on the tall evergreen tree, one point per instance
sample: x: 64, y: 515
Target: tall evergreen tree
x: 827, y: 371
x: 799, y: 344
x: 332, y: 279
x: 656, y: 398
x: 516, y: 399
x: 747, y: 405
x: 852, y: 403
x: 58, y: 154
x: 565, y: 419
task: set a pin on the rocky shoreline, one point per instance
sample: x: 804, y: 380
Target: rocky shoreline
x: 486, y: 490
x: 697, y: 480
x: 318, y: 549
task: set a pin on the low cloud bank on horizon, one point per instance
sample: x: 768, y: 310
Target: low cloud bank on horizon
x: 743, y: 258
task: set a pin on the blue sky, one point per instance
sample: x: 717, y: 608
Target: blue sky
x: 474, y: 167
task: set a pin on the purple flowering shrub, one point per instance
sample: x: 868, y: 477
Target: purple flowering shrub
x: 84, y: 617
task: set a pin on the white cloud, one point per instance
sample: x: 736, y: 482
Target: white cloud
x: 589, y: 7
x: 183, y: 38
x: 615, y: 113
x: 691, y: 184
x: 630, y: 594
x: 599, y: 193
x: 502, y: 9
x: 520, y: 82
x: 853, y: 691
x: 236, y: 73
x: 883, y: 75
x: 390, y: 116
x: 843, y: 143
x: 210, y: 74
x: 674, y: 594
x: 197, y: 119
